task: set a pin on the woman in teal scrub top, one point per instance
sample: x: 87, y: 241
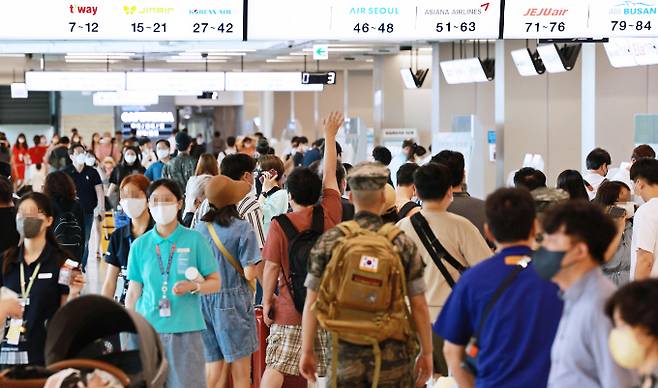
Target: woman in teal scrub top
x: 158, y: 288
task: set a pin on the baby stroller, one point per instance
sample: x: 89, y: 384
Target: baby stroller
x: 89, y: 327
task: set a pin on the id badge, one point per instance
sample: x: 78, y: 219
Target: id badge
x: 14, y: 332
x: 165, y: 308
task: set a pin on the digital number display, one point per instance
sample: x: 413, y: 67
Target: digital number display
x: 328, y: 78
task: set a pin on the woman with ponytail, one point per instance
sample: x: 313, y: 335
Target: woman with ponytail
x: 36, y: 271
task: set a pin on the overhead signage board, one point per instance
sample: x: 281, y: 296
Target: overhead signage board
x: 624, y: 18
x: 126, y: 20
x: 546, y: 19
x: 320, y: 52
x: 458, y: 19
x: 371, y: 20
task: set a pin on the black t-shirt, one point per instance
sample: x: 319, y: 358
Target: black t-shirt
x: 8, y: 229
x: 45, y: 298
x: 123, y: 171
x: 119, y: 245
x: 85, y: 185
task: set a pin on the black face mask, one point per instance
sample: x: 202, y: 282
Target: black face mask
x: 547, y: 263
x: 28, y: 227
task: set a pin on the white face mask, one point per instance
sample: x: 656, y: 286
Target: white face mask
x: 164, y: 214
x: 130, y: 158
x: 133, y: 207
x: 162, y: 153
x: 90, y: 161
x: 79, y: 159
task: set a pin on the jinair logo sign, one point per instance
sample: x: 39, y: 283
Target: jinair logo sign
x: 634, y: 7
x: 134, y: 10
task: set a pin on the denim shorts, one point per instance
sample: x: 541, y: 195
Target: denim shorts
x: 230, y: 325
x: 186, y: 367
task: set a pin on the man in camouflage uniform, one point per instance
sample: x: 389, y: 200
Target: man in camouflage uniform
x: 355, y: 362
x: 181, y: 168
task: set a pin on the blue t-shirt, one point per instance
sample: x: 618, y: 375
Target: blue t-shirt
x: 154, y: 172
x: 515, y: 342
x: 239, y: 239
x: 191, y: 250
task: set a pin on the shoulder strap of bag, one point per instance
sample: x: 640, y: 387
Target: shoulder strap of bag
x: 287, y: 226
x: 507, y: 282
x: 409, y: 206
x: 390, y: 231
x: 317, y: 225
x: 229, y: 256
x: 425, y: 234
x: 348, y: 227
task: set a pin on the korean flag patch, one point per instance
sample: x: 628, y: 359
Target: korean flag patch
x: 369, y: 264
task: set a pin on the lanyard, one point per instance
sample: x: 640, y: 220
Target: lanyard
x: 26, y: 292
x: 165, y: 274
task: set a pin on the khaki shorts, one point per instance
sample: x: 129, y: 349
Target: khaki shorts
x: 284, y: 349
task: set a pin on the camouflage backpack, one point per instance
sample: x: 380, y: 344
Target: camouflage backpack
x: 362, y: 296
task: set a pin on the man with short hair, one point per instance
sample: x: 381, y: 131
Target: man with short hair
x: 89, y: 187
x: 305, y: 188
x: 644, y: 247
x: 146, y: 148
x: 463, y: 204
x: 356, y: 363
x: 229, y: 150
x: 501, y: 307
x: 576, y: 242
x: 457, y: 236
x: 529, y: 178
x: 598, y: 163
x: 181, y: 168
x: 405, y: 192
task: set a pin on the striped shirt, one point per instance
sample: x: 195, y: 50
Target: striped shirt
x: 249, y: 209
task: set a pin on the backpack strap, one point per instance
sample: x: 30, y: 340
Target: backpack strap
x: 506, y: 283
x: 317, y: 224
x: 390, y: 231
x: 409, y: 206
x: 288, y: 228
x: 435, y: 249
x: 229, y: 256
x: 348, y: 227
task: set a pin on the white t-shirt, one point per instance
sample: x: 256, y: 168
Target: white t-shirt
x: 645, y: 235
x: 595, y: 180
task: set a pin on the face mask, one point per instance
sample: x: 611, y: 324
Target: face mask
x: 629, y: 207
x: 133, y: 207
x: 625, y: 348
x: 130, y: 158
x: 79, y: 159
x: 90, y: 161
x: 162, y: 153
x: 28, y: 227
x: 164, y: 214
x: 547, y: 263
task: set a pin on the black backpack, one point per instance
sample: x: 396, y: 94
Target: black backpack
x: 68, y: 233
x: 299, y: 249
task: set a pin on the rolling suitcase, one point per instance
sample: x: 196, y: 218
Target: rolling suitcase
x: 258, y: 358
x: 107, y: 228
